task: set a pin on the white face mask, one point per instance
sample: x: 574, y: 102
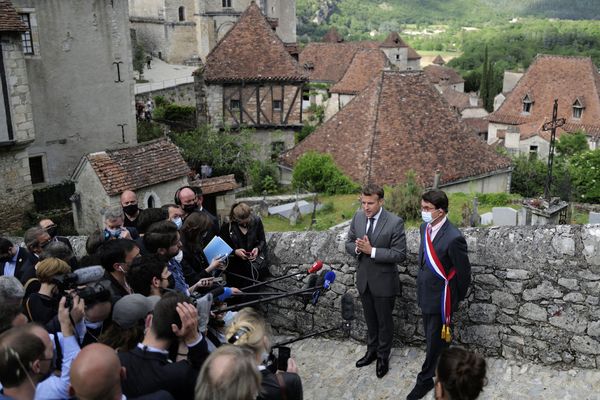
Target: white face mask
x: 177, y: 221
x: 179, y: 256
x: 426, y: 215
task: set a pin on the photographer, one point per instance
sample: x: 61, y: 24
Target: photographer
x: 246, y: 235
x: 249, y: 329
x: 173, y: 322
x: 42, y: 306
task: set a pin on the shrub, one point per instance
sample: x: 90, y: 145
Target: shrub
x: 147, y: 130
x: 528, y: 176
x: 585, y: 172
x: 160, y: 101
x: 263, y: 177
x: 177, y: 113
x: 318, y: 172
x: 306, y: 130
x: 494, y: 199
x: 405, y: 199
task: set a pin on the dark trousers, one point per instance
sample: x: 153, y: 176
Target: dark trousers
x: 432, y: 326
x: 380, y: 323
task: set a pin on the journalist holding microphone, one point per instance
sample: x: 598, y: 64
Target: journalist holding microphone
x: 376, y: 239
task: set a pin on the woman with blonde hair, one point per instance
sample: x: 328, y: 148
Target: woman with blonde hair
x: 249, y: 329
x: 42, y: 306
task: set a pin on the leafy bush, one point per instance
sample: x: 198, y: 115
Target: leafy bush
x: 318, y: 172
x: 585, y: 172
x: 405, y: 199
x: 263, y: 177
x: 570, y: 144
x: 147, y: 130
x: 304, y: 132
x: 177, y: 113
x: 160, y: 101
x: 528, y: 176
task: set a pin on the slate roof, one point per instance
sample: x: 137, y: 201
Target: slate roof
x: 398, y: 123
x: 251, y: 52
x: 441, y: 75
x: 364, y: 66
x: 138, y: 166
x: 552, y: 77
x: 9, y: 19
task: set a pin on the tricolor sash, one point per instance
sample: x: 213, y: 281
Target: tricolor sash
x: 433, y: 263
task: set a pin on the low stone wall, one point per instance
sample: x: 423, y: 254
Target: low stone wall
x: 534, y: 292
x: 182, y: 94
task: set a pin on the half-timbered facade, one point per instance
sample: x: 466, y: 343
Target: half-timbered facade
x: 251, y: 80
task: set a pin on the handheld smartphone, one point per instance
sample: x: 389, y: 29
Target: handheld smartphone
x: 283, y: 356
x: 218, y: 279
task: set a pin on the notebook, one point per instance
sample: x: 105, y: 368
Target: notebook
x: 217, y: 247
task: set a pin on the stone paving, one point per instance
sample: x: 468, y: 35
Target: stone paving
x: 161, y: 71
x: 328, y: 372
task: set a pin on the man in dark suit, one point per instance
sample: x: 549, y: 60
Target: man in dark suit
x: 190, y: 199
x: 441, y: 243
x: 15, y: 261
x: 376, y: 238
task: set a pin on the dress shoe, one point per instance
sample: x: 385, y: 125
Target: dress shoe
x: 383, y: 367
x: 366, y: 360
x: 420, y: 390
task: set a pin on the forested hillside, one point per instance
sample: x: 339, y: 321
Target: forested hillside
x: 356, y: 19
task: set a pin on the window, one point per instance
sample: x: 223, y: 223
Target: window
x: 277, y: 105
x: 527, y: 104
x: 578, y: 109
x: 397, y: 56
x: 533, y: 152
x: 226, y: 3
x: 36, y: 169
x: 181, y: 14
x: 26, y: 36
x: 151, y: 201
x: 234, y: 104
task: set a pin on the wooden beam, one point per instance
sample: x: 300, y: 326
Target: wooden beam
x: 292, y: 106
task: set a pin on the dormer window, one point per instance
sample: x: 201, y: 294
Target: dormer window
x: 578, y: 107
x: 527, y: 103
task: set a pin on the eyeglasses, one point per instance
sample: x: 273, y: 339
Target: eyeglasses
x: 428, y: 208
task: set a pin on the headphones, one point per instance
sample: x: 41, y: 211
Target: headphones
x: 196, y: 189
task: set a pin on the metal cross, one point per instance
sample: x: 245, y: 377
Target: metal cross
x: 551, y: 126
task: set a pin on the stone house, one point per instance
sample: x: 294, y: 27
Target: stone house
x: 251, y: 80
x: 80, y: 73
x: 574, y: 81
x: 218, y: 194
x: 153, y: 170
x: 16, y: 121
x: 185, y: 31
x: 400, y: 122
x: 444, y: 78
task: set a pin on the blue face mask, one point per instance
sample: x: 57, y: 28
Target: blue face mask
x: 426, y: 215
x: 108, y: 233
x: 177, y: 221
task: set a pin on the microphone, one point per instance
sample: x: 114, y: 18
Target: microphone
x: 325, y: 281
x: 79, y: 277
x: 316, y: 267
x: 311, y: 283
x: 347, y: 313
x: 329, y: 279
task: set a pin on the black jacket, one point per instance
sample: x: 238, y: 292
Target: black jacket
x: 148, y: 372
x: 193, y: 264
x: 272, y: 390
x: 25, y: 268
x: 451, y: 249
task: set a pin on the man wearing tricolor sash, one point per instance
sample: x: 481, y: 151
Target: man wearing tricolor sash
x: 442, y: 282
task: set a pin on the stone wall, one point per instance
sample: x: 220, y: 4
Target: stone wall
x: 183, y: 94
x: 534, y: 294
x: 16, y: 192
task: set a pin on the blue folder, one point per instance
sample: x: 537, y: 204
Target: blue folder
x: 217, y: 248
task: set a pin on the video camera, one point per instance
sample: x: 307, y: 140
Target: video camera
x: 87, y: 283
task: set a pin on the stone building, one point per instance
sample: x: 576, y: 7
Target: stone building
x: 574, y: 81
x: 250, y: 80
x: 16, y: 121
x: 400, y: 123
x: 444, y: 77
x: 154, y: 170
x: 78, y: 59
x: 182, y: 31
x: 401, y: 55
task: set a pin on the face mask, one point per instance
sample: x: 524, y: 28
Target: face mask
x: 93, y: 325
x: 426, y: 215
x: 112, y: 233
x: 189, y: 208
x: 228, y: 318
x: 177, y: 221
x: 131, y: 209
x: 179, y: 256
x: 52, y: 231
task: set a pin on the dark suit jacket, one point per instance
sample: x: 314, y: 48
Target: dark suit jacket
x: 380, y: 273
x: 25, y: 267
x: 451, y: 249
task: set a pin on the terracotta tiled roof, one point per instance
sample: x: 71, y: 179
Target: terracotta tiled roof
x: 457, y: 100
x: 364, y: 66
x: 477, y: 125
x: 9, y: 19
x: 217, y: 184
x: 438, y: 60
x: 555, y: 77
x: 251, y: 51
x: 441, y: 75
x: 398, y: 123
x: 138, y: 166
x: 332, y: 36
x: 330, y: 61
x: 393, y: 40
x: 412, y: 54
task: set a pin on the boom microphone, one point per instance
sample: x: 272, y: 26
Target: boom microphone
x: 316, y: 267
x: 79, y: 277
x: 347, y: 313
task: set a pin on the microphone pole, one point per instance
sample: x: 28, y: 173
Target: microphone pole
x: 315, y: 268
x: 252, y: 280
x: 308, y: 335
x: 280, y: 296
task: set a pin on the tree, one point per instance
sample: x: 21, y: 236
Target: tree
x: 226, y: 152
x: 139, y: 58
x: 318, y: 172
x: 570, y: 144
x: 528, y: 176
x: 585, y: 172
x: 263, y: 177
x: 405, y: 199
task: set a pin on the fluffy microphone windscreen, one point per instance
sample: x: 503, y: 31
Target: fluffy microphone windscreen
x: 347, y: 307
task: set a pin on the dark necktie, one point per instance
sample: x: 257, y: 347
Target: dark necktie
x: 370, y: 230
